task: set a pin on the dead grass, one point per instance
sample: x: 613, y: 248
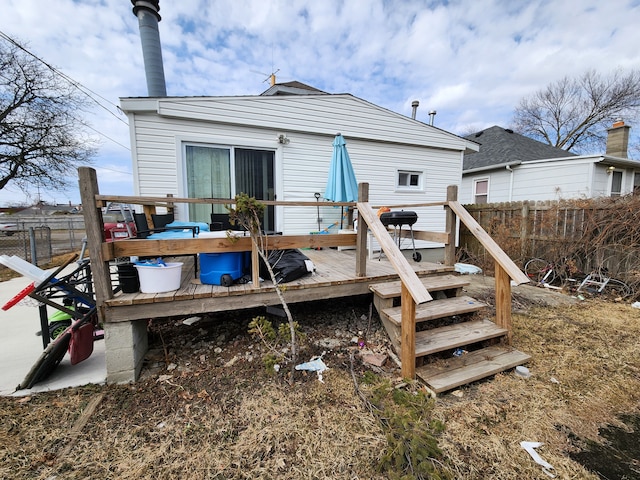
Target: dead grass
x: 585, y: 374
x: 207, y: 420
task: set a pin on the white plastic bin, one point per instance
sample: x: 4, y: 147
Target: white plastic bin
x: 156, y: 279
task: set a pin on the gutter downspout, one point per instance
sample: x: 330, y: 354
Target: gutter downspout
x: 508, y: 167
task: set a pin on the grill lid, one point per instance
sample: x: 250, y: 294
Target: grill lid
x: 398, y: 218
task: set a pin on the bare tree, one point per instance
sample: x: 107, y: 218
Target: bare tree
x: 42, y: 137
x: 574, y: 113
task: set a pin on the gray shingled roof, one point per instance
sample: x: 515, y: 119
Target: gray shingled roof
x: 501, y: 146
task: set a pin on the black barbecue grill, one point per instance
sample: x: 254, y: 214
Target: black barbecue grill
x: 398, y: 219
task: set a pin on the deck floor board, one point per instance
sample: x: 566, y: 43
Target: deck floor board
x: 334, y: 277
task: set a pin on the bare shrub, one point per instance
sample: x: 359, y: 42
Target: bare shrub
x: 587, y: 235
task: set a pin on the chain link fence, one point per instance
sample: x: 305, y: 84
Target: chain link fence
x: 39, y: 239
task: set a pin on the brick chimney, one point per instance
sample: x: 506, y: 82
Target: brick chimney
x: 618, y: 139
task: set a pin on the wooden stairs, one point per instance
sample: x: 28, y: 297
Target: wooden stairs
x: 444, y: 325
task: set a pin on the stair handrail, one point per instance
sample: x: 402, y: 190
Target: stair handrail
x: 399, y: 262
x: 489, y: 244
x: 413, y: 291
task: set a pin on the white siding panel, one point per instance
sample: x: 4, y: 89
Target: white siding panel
x: 324, y: 114
x: 549, y: 181
x: 601, y: 181
x: 305, y: 172
x: 301, y: 166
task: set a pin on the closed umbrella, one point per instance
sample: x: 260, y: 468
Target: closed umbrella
x: 341, y: 182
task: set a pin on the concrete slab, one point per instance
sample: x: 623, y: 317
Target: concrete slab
x: 20, y: 348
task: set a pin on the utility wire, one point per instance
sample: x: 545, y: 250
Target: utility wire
x: 114, y: 170
x: 85, y: 90
x: 107, y: 136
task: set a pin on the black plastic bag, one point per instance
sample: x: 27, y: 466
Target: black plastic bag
x: 288, y: 265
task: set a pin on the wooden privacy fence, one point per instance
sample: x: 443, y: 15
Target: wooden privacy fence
x: 596, y: 233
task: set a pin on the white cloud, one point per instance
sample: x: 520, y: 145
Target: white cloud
x: 470, y: 60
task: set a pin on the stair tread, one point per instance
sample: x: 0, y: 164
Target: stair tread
x: 441, y: 376
x: 432, y: 283
x: 441, y: 308
x: 457, y: 335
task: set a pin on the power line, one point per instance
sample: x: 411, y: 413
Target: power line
x: 116, y: 171
x: 108, y: 137
x: 76, y: 84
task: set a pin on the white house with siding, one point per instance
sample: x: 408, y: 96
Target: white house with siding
x: 511, y: 167
x: 279, y: 145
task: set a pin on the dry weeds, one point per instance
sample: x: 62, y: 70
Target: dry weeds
x: 585, y: 374
x: 209, y: 419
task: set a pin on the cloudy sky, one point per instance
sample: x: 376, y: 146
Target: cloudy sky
x: 470, y: 60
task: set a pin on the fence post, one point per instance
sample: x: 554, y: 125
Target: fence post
x: 72, y: 236
x: 450, y: 226
x: 524, y: 230
x: 32, y: 243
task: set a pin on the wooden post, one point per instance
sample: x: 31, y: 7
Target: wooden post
x: 524, y: 230
x: 361, y: 239
x: 450, y: 227
x: 148, y: 211
x: 408, y: 334
x: 170, y: 205
x: 503, y: 300
x: 93, y: 223
x: 349, y: 218
x: 255, y: 265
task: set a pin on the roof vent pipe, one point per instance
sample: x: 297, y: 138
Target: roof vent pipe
x: 414, y: 106
x: 432, y: 116
x: 148, y: 18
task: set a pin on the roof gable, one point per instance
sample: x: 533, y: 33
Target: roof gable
x: 500, y: 146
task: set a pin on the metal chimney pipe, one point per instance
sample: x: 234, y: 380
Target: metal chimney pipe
x: 432, y: 115
x: 148, y: 18
x: 414, y: 106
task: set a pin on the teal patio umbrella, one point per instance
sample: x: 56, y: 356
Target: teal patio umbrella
x: 341, y: 182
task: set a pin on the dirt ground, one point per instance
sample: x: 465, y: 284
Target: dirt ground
x: 208, y: 407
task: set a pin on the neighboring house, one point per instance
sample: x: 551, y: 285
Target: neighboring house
x: 42, y: 208
x: 279, y: 145
x: 512, y: 167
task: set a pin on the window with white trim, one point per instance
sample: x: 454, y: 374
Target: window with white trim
x: 481, y: 191
x: 409, y: 180
x: 636, y: 183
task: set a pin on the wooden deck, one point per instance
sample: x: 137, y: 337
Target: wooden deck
x: 335, y: 276
x: 339, y: 273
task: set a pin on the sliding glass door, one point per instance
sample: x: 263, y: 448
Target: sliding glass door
x: 219, y: 172
x: 254, y: 176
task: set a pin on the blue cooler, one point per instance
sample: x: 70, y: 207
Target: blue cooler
x: 221, y: 268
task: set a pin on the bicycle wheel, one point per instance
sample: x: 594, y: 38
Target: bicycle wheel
x: 539, y: 271
x: 617, y: 288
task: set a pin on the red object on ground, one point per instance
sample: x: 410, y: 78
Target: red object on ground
x: 81, y: 344
x: 23, y: 293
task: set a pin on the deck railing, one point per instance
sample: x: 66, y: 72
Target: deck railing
x: 413, y: 291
